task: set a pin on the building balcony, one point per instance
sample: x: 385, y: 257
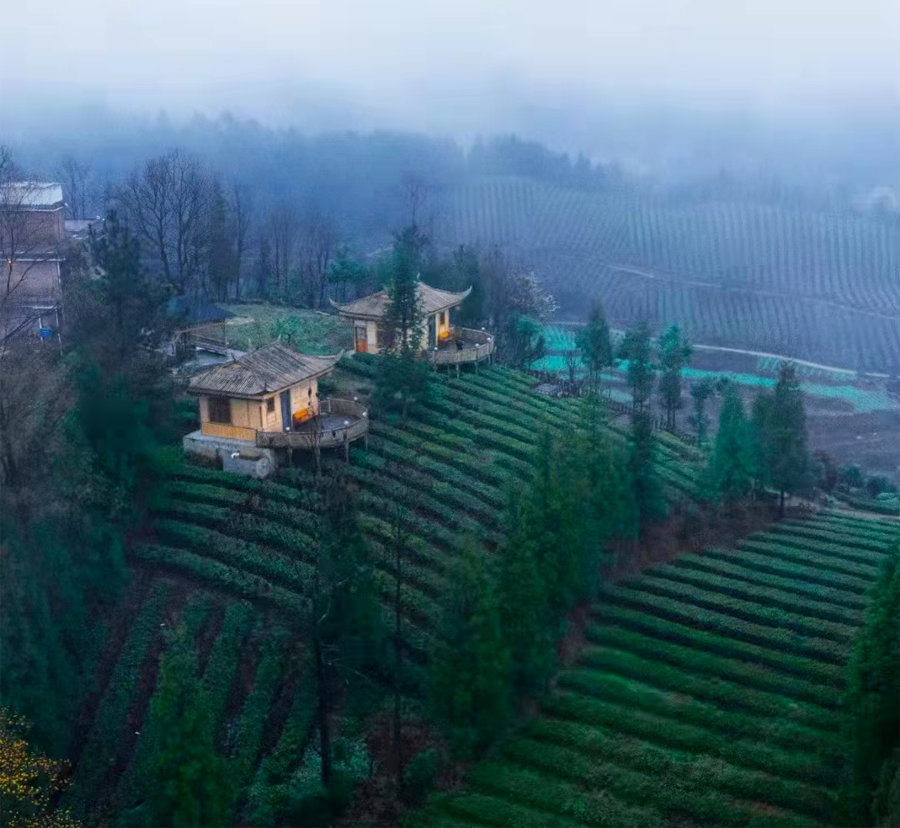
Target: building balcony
x: 338, y: 423
x: 461, y: 346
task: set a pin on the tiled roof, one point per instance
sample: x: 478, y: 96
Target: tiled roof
x: 191, y: 311
x: 374, y: 306
x: 265, y: 371
x: 33, y: 282
x: 31, y: 195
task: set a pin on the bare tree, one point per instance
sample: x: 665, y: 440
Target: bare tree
x: 415, y: 191
x: 242, y: 217
x: 282, y: 226
x: 318, y: 240
x: 168, y: 204
x: 76, y: 179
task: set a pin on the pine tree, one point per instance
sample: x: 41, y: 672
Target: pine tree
x: 594, y: 342
x: 189, y: 778
x: 129, y: 313
x: 469, y: 683
x: 637, y: 348
x: 700, y: 393
x: 780, y: 434
x: 555, y: 525
x: 648, y: 494
x: 404, y: 317
x: 403, y: 377
x: 760, y: 435
x: 791, y: 461
x: 222, y: 266
x: 731, y: 463
x: 675, y: 352
x: 525, y: 616
x: 344, y: 620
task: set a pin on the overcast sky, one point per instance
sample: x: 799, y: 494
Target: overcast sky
x: 178, y: 51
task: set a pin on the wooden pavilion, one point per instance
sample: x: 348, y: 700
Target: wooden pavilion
x: 445, y: 344
x: 268, y: 399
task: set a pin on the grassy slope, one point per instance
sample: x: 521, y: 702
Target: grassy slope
x: 311, y: 332
x: 709, y: 693
x: 221, y: 538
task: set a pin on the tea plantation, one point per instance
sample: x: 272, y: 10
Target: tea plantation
x: 709, y: 693
x: 229, y: 557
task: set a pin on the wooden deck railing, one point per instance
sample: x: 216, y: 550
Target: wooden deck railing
x: 315, y: 432
x: 478, y: 345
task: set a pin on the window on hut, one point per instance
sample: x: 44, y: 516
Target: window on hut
x: 270, y: 405
x: 220, y: 410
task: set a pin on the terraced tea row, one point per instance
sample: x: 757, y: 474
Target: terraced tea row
x: 709, y: 691
x: 252, y: 671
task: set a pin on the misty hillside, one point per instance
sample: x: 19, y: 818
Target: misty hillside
x: 749, y: 257
x: 723, y: 269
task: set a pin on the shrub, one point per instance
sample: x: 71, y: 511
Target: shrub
x: 420, y: 774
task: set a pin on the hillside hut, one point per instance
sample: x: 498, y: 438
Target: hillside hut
x: 445, y: 344
x: 266, y: 401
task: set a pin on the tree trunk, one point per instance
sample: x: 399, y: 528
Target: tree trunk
x: 324, y: 714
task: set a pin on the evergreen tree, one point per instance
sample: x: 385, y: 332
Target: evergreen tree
x: 556, y: 524
x: 779, y: 429
x: 525, y: 617
x: 465, y: 273
x: 648, y: 494
x: 788, y: 439
x: 637, y: 348
x: 403, y: 376
x: 871, y: 795
x: 222, y: 267
x: 523, y: 340
x: 344, y: 614
x: 122, y: 311
x: 675, y: 352
x: 404, y: 318
x: 470, y: 672
x: 731, y: 463
x: 594, y: 342
x: 610, y: 500
x: 349, y: 273
x: 700, y: 393
x: 39, y: 676
x: 760, y: 435
x: 190, y: 782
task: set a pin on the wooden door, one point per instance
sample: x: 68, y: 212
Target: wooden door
x: 362, y: 340
x: 286, y: 410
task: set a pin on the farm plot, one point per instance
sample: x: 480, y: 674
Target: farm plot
x: 708, y: 693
